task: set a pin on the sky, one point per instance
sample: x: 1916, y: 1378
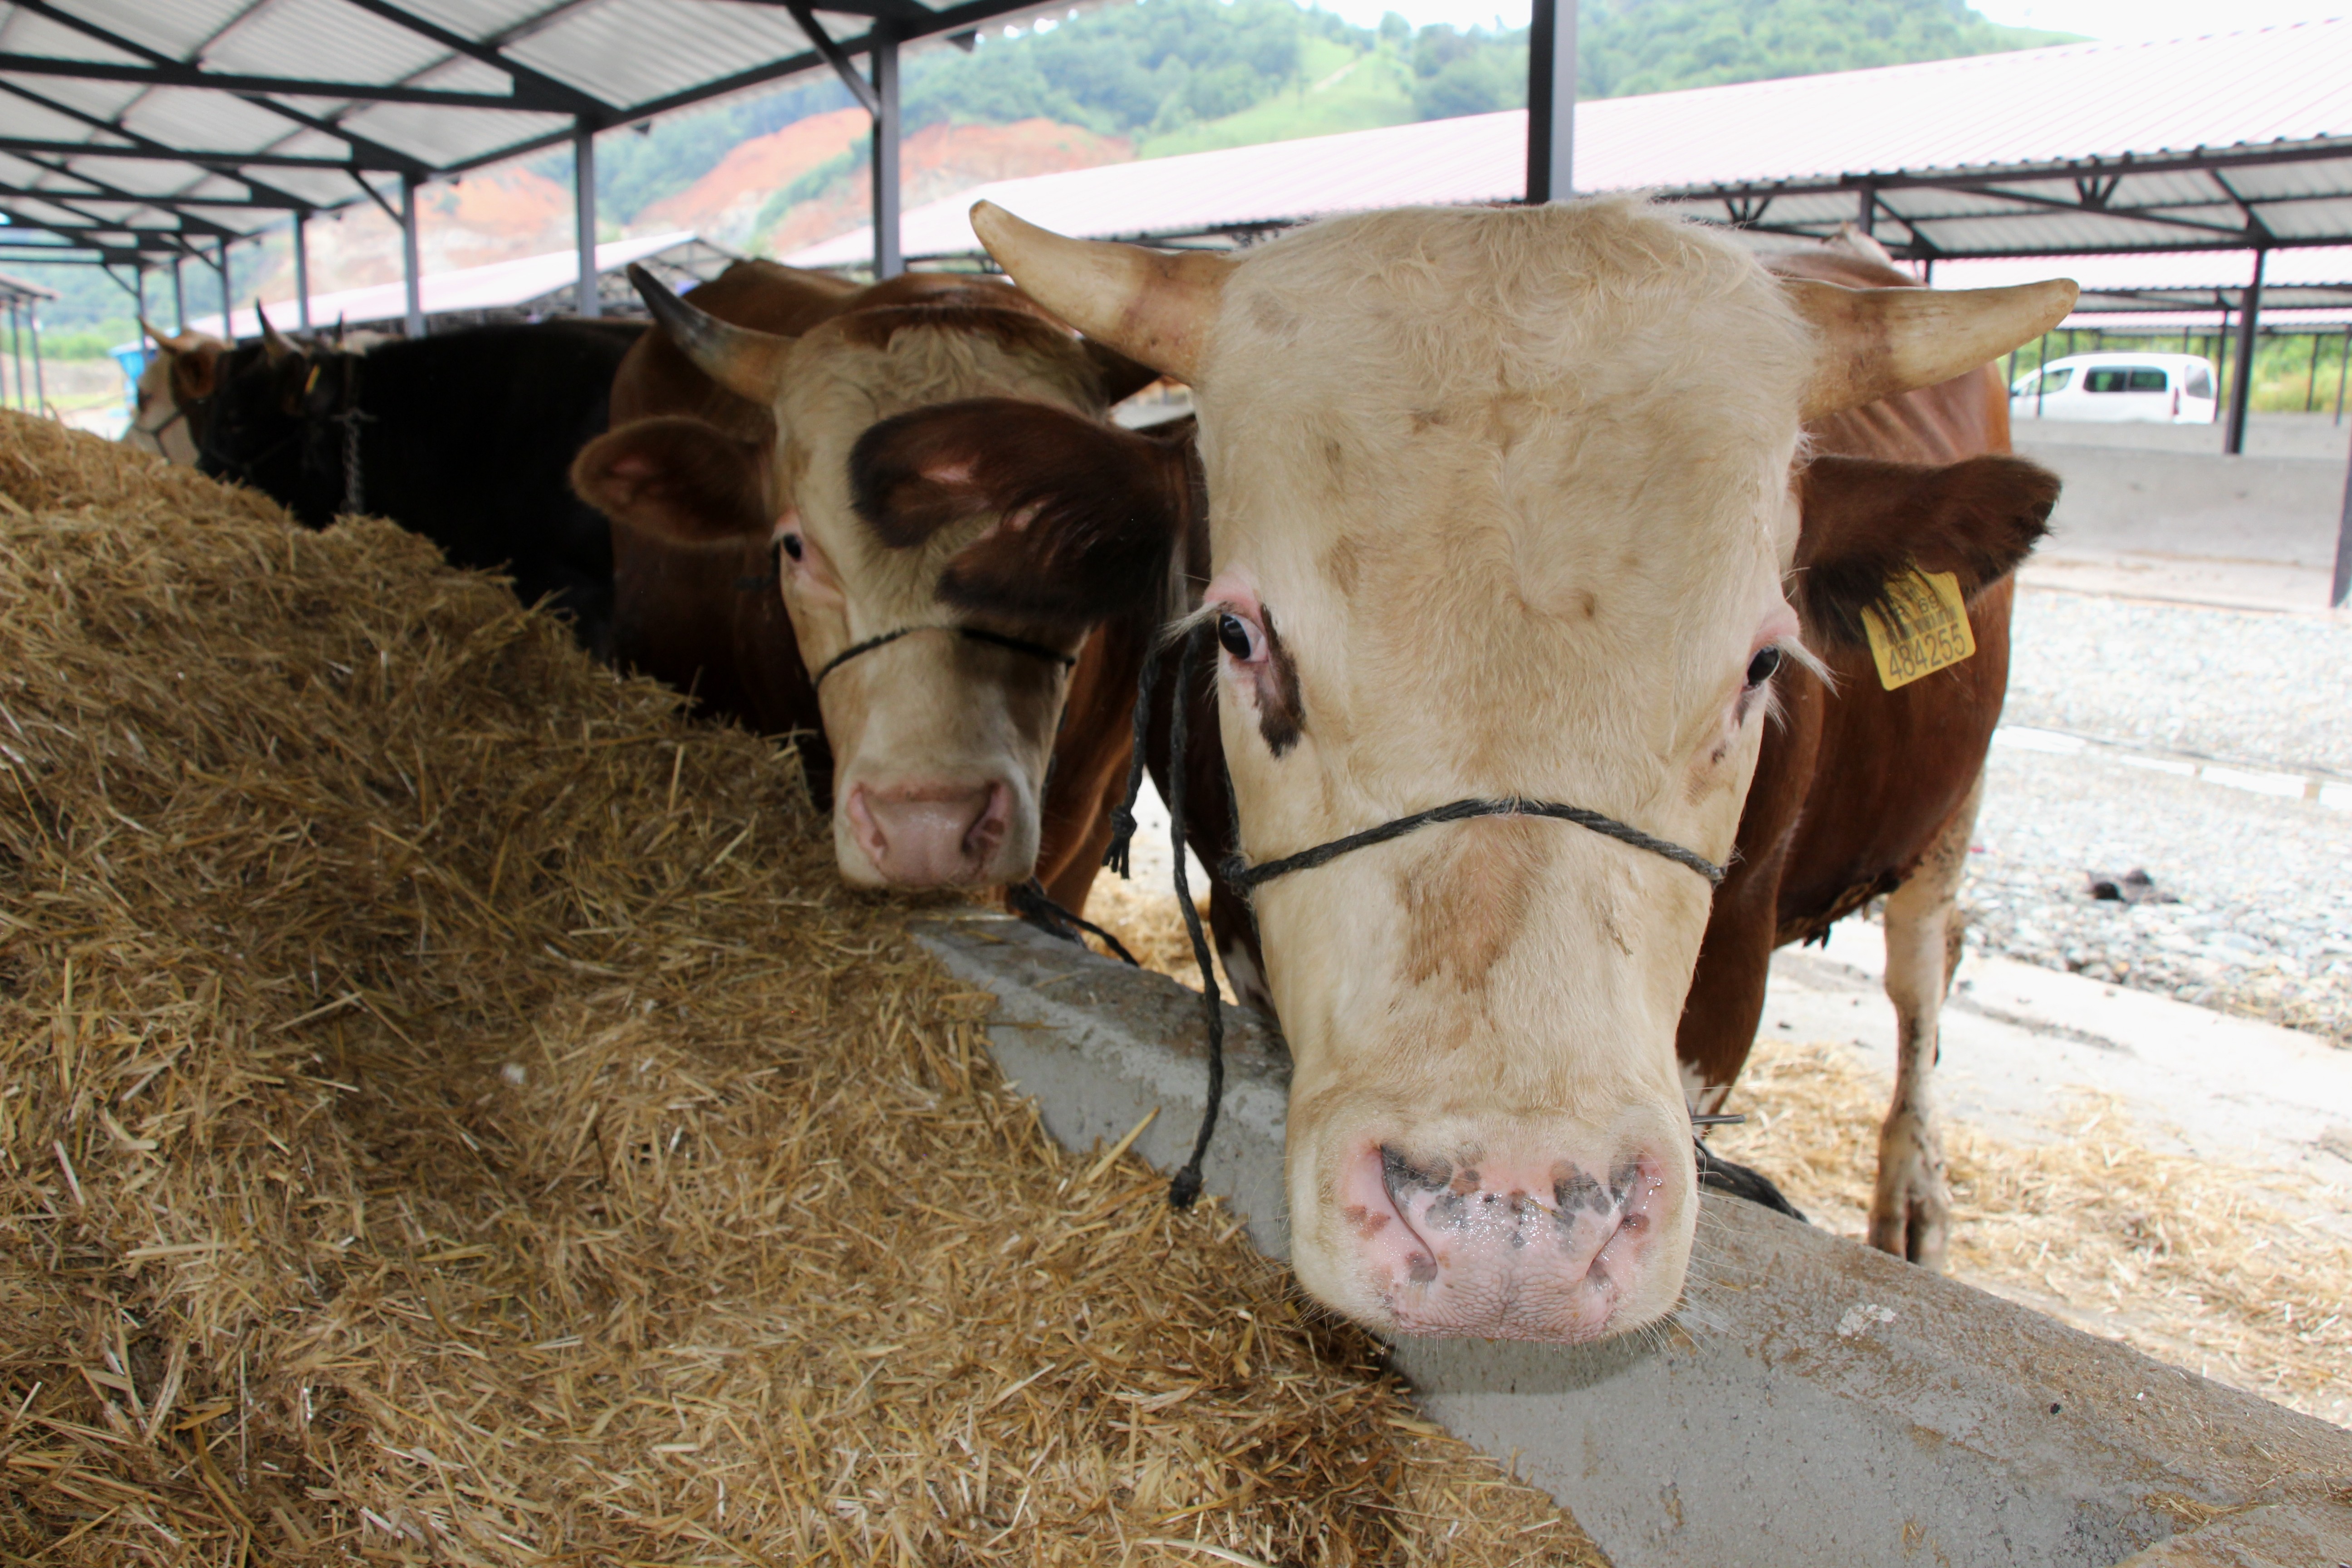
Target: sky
x: 2117, y: 19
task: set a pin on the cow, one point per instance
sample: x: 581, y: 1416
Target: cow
x: 173, y: 393
x: 465, y: 438
x: 972, y: 752
x: 1859, y: 791
x: 1512, y: 518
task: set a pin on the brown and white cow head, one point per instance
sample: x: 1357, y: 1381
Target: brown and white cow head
x: 1501, y: 504
x: 179, y: 379
x: 942, y: 736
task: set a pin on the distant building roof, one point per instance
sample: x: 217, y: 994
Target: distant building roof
x: 528, y: 285
x: 2318, y: 277
x: 2211, y: 142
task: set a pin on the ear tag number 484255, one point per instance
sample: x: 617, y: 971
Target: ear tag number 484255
x: 1928, y: 631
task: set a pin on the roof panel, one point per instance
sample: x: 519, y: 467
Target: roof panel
x: 146, y: 176
x: 37, y: 122
x: 174, y: 27
x: 189, y: 117
x: 104, y: 99
x: 633, y: 51
x: 481, y: 20
x: 322, y: 40
x: 2319, y: 219
x: 24, y: 32
x: 441, y: 136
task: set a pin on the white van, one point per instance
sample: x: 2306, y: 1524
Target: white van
x: 2117, y: 388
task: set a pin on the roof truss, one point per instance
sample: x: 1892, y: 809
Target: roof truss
x: 331, y: 106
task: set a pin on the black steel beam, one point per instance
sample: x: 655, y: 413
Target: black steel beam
x: 1552, y: 101
x: 883, y: 165
x: 2175, y: 163
x: 872, y: 10
x: 584, y: 105
x: 2053, y: 203
x: 203, y: 158
x: 2242, y: 385
x: 859, y: 87
x: 292, y: 86
x: 161, y: 204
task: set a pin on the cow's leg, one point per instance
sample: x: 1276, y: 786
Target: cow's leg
x: 1910, y: 1212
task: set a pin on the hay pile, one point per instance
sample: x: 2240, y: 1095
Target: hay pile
x: 2182, y: 1259
x: 448, y: 1112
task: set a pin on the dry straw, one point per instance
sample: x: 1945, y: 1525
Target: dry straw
x: 2188, y: 1259
x: 450, y: 1113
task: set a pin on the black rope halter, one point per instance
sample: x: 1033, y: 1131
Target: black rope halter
x: 977, y: 633
x: 1184, y: 1187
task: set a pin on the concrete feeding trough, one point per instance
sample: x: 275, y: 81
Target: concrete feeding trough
x: 1815, y: 1402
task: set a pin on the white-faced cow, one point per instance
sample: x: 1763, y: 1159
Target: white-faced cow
x: 971, y: 750
x: 1509, y: 508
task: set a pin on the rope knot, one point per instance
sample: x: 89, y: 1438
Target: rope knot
x: 1121, y: 856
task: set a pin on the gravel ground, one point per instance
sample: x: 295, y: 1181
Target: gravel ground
x: 2263, y: 925
x: 2274, y: 690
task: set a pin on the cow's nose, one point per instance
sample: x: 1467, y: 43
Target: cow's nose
x: 932, y: 834
x: 1508, y: 1246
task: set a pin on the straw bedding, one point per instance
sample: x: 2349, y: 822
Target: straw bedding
x: 2187, y: 1260
x: 450, y: 1113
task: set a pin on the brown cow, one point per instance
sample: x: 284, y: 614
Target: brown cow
x: 965, y: 756
x: 1503, y: 503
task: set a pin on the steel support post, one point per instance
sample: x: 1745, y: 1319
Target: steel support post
x: 40, y: 382
x: 179, y: 299
x: 2342, y: 589
x: 889, y: 261
x: 411, y: 267
x: 1551, y: 102
x: 2242, y: 392
x: 584, y: 298
x: 15, y: 393
x: 2343, y: 364
x: 302, y: 271
x: 228, y: 321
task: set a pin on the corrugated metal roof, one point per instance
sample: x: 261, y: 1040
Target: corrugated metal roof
x: 2082, y: 148
x: 418, y: 88
x: 541, y: 281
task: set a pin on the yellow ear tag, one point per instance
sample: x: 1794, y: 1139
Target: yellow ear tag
x: 313, y: 381
x: 1934, y: 622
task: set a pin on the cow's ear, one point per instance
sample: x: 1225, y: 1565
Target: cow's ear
x: 1121, y: 377
x: 675, y: 479
x: 1866, y: 523
x: 195, y: 372
x: 1083, y: 516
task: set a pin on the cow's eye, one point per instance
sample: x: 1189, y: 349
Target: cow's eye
x: 1760, y: 667
x: 791, y: 546
x: 1238, y: 636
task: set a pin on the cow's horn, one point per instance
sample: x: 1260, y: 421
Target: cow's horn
x: 274, y: 343
x: 169, y: 342
x: 747, y: 363
x: 1876, y: 342
x: 1154, y: 306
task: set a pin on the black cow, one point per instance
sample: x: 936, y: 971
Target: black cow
x: 465, y: 438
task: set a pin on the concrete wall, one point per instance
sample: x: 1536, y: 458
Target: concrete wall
x: 1813, y: 1402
